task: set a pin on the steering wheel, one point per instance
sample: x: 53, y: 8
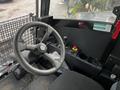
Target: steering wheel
x: 55, y: 58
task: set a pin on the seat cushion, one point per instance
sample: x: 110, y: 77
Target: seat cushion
x: 70, y: 80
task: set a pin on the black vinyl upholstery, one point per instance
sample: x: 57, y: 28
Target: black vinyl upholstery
x: 118, y: 86
x: 70, y: 80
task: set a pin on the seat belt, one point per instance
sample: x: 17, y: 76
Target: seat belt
x: 113, y: 42
x: 117, y: 31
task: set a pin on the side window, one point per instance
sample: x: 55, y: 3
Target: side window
x: 15, y: 8
x: 13, y: 15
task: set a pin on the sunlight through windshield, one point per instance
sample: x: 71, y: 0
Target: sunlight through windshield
x: 100, y: 10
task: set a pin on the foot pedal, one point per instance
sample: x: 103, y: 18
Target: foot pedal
x: 19, y: 73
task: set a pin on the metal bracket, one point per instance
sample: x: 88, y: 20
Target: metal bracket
x: 116, y: 11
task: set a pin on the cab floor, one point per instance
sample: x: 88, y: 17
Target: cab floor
x: 27, y: 83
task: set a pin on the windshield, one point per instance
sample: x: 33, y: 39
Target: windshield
x: 97, y: 10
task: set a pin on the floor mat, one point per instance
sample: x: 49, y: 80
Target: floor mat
x: 10, y: 82
x: 41, y: 83
x: 26, y: 83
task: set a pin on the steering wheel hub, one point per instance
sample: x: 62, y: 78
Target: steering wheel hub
x: 42, y: 48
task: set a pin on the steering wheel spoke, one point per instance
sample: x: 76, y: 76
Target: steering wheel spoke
x: 54, y: 58
x: 47, y: 35
x: 53, y: 47
x: 23, y: 47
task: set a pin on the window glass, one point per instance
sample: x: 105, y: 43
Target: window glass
x: 98, y: 10
x: 15, y: 8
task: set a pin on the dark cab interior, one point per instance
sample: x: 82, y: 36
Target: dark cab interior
x: 92, y: 57
x: 99, y: 53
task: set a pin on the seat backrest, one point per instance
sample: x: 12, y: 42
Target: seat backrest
x: 116, y: 86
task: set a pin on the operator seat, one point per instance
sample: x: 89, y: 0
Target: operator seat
x: 70, y: 80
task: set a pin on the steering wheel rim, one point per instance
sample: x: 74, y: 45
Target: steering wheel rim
x: 23, y: 62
